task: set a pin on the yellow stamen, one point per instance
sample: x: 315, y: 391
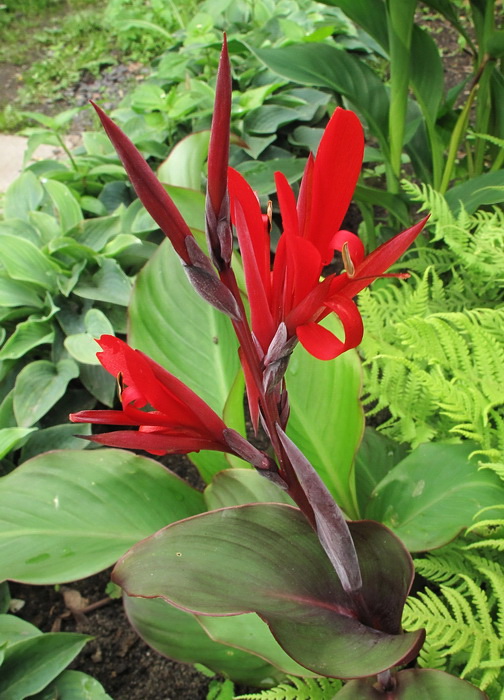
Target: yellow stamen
x: 347, y: 260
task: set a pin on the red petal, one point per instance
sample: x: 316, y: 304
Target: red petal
x: 304, y: 202
x: 378, y: 262
x: 322, y: 343
x: 287, y: 202
x: 304, y: 266
x: 106, y: 417
x: 355, y: 245
x: 155, y: 443
x: 148, y: 188
x: 319, y: 341
x: 337, y: 166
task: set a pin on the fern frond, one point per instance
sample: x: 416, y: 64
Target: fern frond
x: 298, y: 689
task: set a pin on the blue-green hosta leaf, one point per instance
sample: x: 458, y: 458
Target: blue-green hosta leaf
x: 14, y: 629
x: 266, y: 558
x: 12, y: 438
x: 66, y: 515
x: 22, y: 196
x: 31, y: 664
x: 82, y: 346
x: 109, y: 284
x: 73, y: 685
x: 66, y: 207
x: 39, y: 386
x: 25, y: 262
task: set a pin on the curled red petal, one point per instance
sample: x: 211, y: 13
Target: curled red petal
x: 323, y: 343
x: 148, y: 188
x: 354, y: 243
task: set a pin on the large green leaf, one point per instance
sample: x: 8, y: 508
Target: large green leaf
x: 413, y: 684
x: 266, y: 558
x: 250, y: 633
x: 178, y: 635
x: 109, y: 284
x: 39, y: 386
x: 66, y: 515
x: 376, y: 456
x: 173, y: 325
x: 483, y: 189
x: 326, y: 420
x: 432, y: 494
x: 184, y: 165
x: 29, y: 665
x: 235, y: 487
x: 324, y: 65
x: 73, y: 685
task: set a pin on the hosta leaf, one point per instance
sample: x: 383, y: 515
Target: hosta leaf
x: 22, y: 196
x: 11, y: 438
x: 31, y: 664
x: 178, y: 635
x: 66, y: 207
x: 73, y: 685
x: 24, y: 261
x: 13, y: 629
x: 39, y: 386
x: 66, y: 515
x: 266, y: 558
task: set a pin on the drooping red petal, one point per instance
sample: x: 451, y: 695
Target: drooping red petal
x: 351, y: 319
x: 148, y: 188
x: 287, y: 202
x: 378, y: 262
x: 155, y: 443
x: 336, y: 171
x: 159, y: 388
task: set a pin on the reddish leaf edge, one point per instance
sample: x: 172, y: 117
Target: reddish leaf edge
x: 417, y: 637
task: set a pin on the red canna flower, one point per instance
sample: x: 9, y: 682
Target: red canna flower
x: 292, y: 293
x: 176, y: 421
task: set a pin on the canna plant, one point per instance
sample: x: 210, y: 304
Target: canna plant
x: 335, y: 602
x: 280, y: 573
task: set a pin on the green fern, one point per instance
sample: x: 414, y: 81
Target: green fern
x: 464, y: 617
x: 298, y: 689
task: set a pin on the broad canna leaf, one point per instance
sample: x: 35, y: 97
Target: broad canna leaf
x: 265, y: 558
x: 178, y: 635
x: 413, y: 684
x: 68, y: 514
